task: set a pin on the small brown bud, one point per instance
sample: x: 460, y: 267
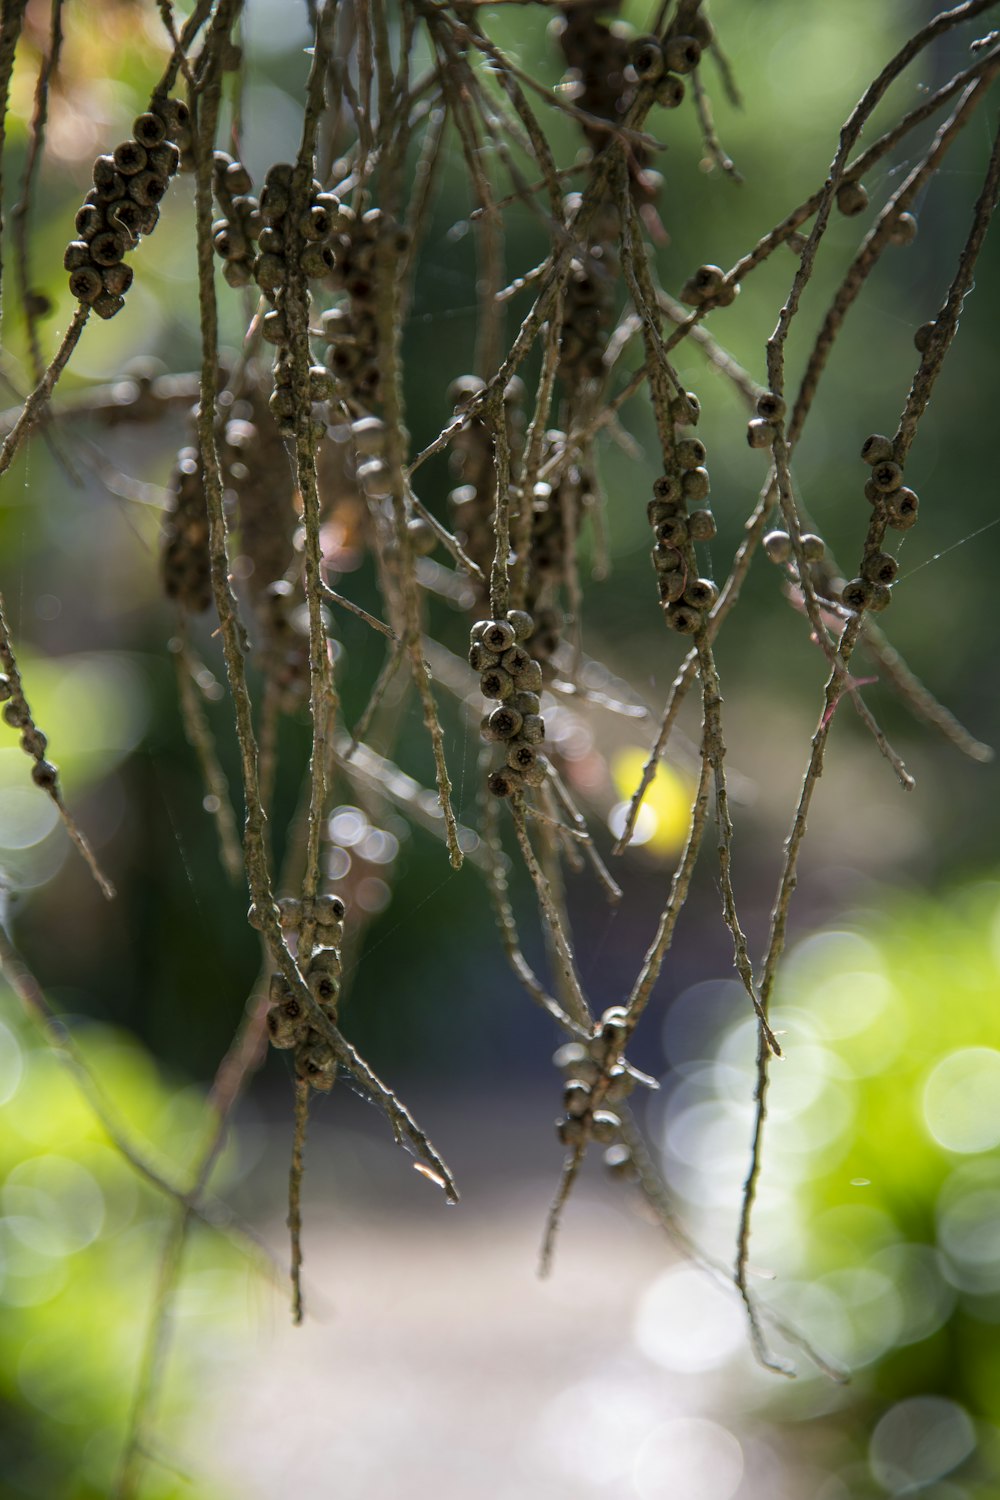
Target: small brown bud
x: 778, y: 546
x: 813, y: 547
x: 904, y: 230
x: 760, y: 434
x: 856, y: 594
x: 852, y: 198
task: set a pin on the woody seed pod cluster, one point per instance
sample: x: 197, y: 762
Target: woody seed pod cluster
x: 122, y: 205
x: 596, y: 1079
x: 234, y: 233
x: 322, y: 967
x: 353, y: 354
x: 683, y: 596
x: 511, y: 676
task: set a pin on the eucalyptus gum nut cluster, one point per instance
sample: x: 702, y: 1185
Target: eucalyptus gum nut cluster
x: 513, y: 678
x: 128, y: 185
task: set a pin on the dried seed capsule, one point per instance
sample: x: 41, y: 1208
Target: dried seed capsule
x: 118, y: 279
x: 770, y: 408
x: 321, y: 387
x: 77, y: 254
x: 530, y: 680
x: 149, y: 130
x: 127, y: 215
x: 671, y: 586
x: 706, y: 283
x: 852, y: 198
x: 282, y: 403
x: 760, y: 434
x: 700, y: 593
x: 876, y: 449
x: 498, y: 636
x: 270, y: 271
x: 813, y: 547
x: 887, y: 476
x: 107, y: 304
x: 696, y: 484
x: 89, y: 221
x: 618, y: 1161
x: 164, y: 160
x: 237, y: 273
x: 620, y: 1084
x: 496, y: 683
x: 521, y: 623
x: 16, y: 714
x: 856, y: 594
x: 6, y: 688
x: 691, y: 454
x: 778, y: 546
x: 45, y: 775
x: 107, y: 248
x: 682, y: 54
x: 646, y: 57
x: 606, y: 1126
x: 532, y: 729
x: 237, y: 179
x: 667, y: 488
x: 901, y: 509
x: 274, y: 327
x: 880, y: 597
x: 673, y: 530
x: 85, y: 283
x: 872, y: 493
x: 517, y: 661
x: 317, y: 1065
x: 317, y: 261
x: 316, y: 224
x: 570, y: 1131
x: 521, y: 756
x: 270, y: 242
x: 904, y: 230
x: 150, y: 219
x: 282, y: 1028
x: 323, y: 975
x: 129, y: 158
x: 504, y: 782
x: 33, y: 742
x: 329, y: 911
x: 526, y: 703
x: 922, y: 337
x: 576, y: 1098
x: 480, y: 660
x: 880, y: 567
x: 504, y: 723
x: 670, y: 91
x: 701, y: 526
x: 685, y: 409
x: 683, y: 618
x: 106, y: 174
x: 147, y: 188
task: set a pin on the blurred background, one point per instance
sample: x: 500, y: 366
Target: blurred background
x: 434, y: 1362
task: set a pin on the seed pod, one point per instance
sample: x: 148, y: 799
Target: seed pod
x: 284, y: 1025
x: 880, y: 597
x: 164, y: 160
x: 317, y: 1065
x: 317, y: 261
x: 521, y: 623
x: 673, y: 530
x: 876, y: 449
x: 696, y: 484
x: 760, y: 434
x: 127, y: 215
x: 620, y: 1084
x: 496, y: 683
x: 77, y: 254
x: 517, y: 661
x: 574, y: 1060
x: 89, y: 221
x: 901, y: 509
x: 922, y: 337
x: 700, y: 593
x: 904, y: 230
x: 117, y: 279
x: 150, y: 219
x: 149, y: 130
x: 45, y: 775
x: 532, y: 729
x: 106, y: 175
x: 670, y: 91
x: 880, y: 567
x: 682, y: 54
x: 323, y: 975
x: 530, y: 680
x: 504, y: 723
x: 856, y: 594
x: 33, y: 742
x: 605, y: 1126
x: 504, y: 782
x: 691, y: 453
x: 481, y: 660
x: 671, y: 586
x: 852, y: 198
x: 16, y: 714
x: 282, y: 403
x: 85, y: 283
x: 706, y: 283
x: 770, y: 408
x: 887, y: 476
x: 683, y: 618
x: 274, y: 327
x: 570, y: 1130
x: 147, y: 188
x: 6, y: 688
x: 321, y: 387
x: 778, y: 546
x: 526, y: 703
x: 813, y: 547
x: 618, y: 1161
x: 497, y: 635
x: 701, y: 526
x: 237, y: 273
x: 107, y: 304
x: 329, y: 911
x: 270, y: 272
x: 667, y: 488
x: 521, y: 756
x: 316, y: 224
x: 685, y: 409
x: 576, y: 1098
x: 129, y: 158
x: 107, y: 248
